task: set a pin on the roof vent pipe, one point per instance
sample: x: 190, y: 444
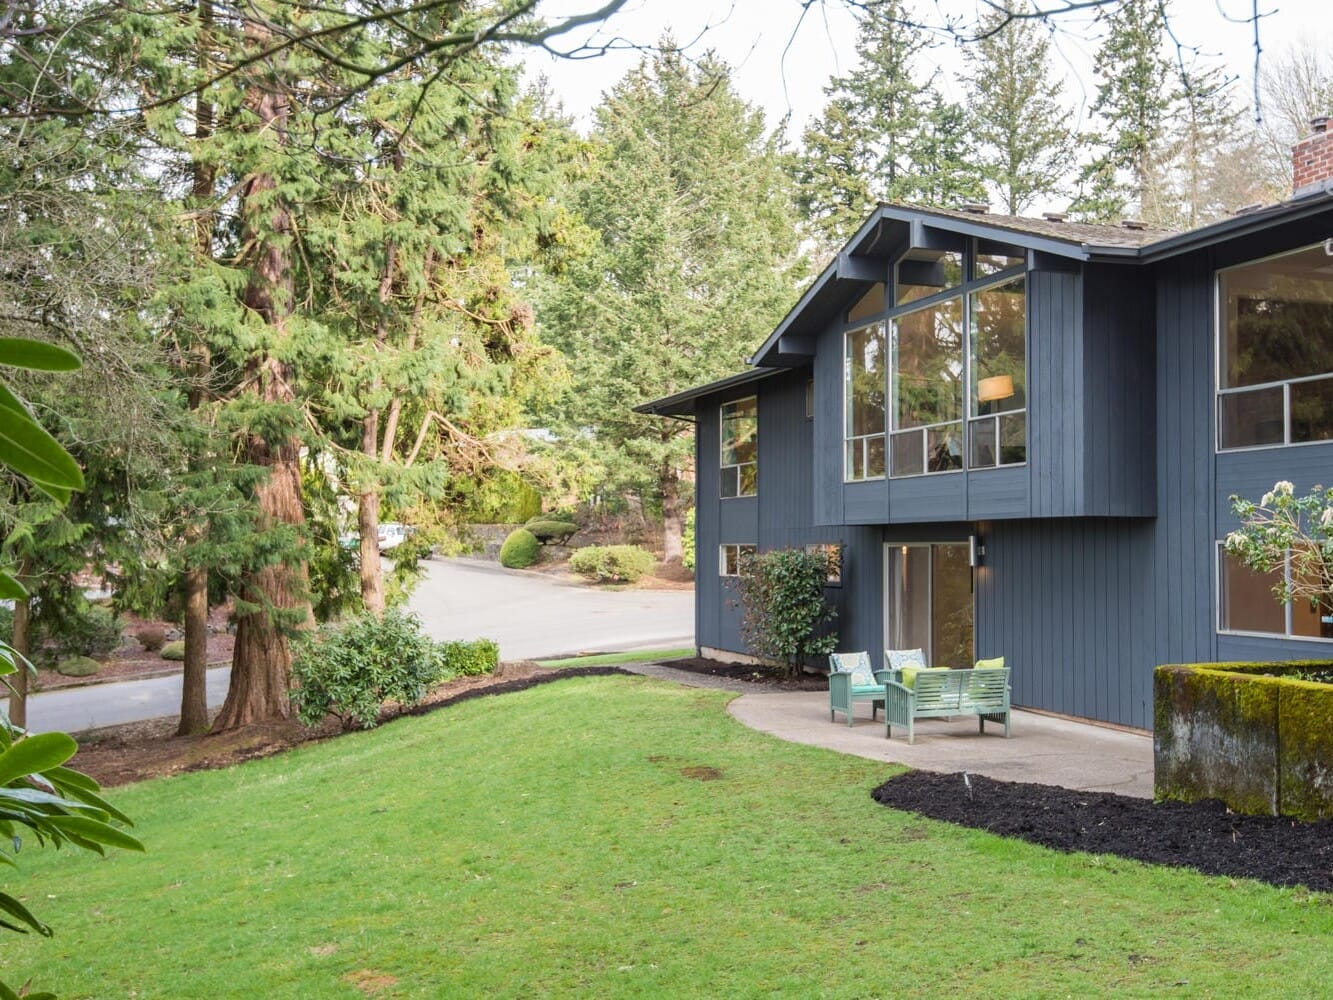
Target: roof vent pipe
x: 1133, y: 223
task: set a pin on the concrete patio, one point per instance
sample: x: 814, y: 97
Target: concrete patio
x: 1042, y: 749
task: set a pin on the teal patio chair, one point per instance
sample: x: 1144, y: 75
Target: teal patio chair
x: 852, y: 678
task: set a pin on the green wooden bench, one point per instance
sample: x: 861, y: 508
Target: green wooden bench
x: 935, y: 694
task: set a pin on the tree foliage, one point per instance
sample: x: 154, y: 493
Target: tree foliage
x: 694, y: 263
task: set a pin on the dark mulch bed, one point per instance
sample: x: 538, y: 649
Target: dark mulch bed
x: 754, y: 673
x: 1202, y: 835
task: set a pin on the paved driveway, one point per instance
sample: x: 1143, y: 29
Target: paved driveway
x: 532, y: 615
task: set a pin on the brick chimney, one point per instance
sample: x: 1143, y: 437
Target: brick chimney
x: 1312, y: 160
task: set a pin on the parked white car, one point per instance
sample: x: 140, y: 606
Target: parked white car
x: 391, y: 535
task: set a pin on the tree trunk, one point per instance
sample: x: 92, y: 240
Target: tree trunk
x: 673, y: 516
x: 194, y: 586
x: 194, y: 694
x: 22, y: 643
x: 368, y: 524
x: 279, y: 592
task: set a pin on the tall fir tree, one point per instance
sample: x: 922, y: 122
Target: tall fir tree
x: 943, y: 158
x: 694, y: 265
x: 1021, y: 127
x: 867, y: 144
x: 1134, y: 96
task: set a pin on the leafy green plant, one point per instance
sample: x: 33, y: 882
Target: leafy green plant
x: 468, y: 658
x: 611, y: 563
x: 785, y: 611
x: 687, y: 542
x: 174, y: 650
x: 77, y: 666
x: 351, y: 668
x: 520, y: 549
x: 1283, y: 525
x: 564, y: 515
x: 551, y: 531
x: 87, y: 630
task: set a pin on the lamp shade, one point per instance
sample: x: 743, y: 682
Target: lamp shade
x: 995, y: 387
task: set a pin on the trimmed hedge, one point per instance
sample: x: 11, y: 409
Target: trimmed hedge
x: 611, y: 563
x: 78, y: 666
x: 520, y: 549
x: 174, y: 650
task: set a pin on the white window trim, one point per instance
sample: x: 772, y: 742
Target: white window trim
x: 722, y: 557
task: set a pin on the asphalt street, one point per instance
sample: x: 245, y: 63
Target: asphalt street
x: 529, y: 614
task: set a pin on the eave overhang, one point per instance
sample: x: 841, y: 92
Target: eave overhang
x: 683, y: 404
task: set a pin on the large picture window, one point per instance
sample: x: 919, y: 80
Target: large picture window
x: 1275, y: 351
x: 1246, y: 603
x: 863, y: 389
x: 998, y: 334
x: 740, y: 448
x: 949, y: 389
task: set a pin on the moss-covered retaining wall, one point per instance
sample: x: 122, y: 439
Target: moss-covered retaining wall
x: 1249, y: 734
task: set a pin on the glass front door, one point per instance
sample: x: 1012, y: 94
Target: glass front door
x: 928, y: 602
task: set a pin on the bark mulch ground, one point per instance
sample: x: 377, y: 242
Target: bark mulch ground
x: 1205, y: 836
x: 754, y: 673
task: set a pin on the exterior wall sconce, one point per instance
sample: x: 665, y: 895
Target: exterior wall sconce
x: 995, y: 388
x: 976, y: 550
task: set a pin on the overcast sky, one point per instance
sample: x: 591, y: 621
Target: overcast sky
x: 782, y: 62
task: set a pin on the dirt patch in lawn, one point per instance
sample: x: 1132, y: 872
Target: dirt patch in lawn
x: 1205, y: 836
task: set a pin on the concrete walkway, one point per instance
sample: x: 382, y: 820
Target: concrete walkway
x: 1042, y: 749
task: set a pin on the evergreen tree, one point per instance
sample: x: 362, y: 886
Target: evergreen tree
x: 1025, y: 144
x: 867, y: 144
x: 1133, y: 102
x: 693, y: 267
x: 943, y: 159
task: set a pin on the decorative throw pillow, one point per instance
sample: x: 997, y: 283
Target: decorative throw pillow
x: 897, y: 659
x: 858, y: 664
x: 995, y: 664
x: 909, y: 675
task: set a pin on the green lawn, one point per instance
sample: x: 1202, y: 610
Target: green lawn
x: 617, y: 836
x: 615, y: 659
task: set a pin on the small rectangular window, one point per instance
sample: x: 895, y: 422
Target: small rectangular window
x: 740, y: 448
x: 922, y: 273
x: 730, y: 556
x: 868, y: 305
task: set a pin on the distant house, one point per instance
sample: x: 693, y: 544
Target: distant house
x: 1021, y: 436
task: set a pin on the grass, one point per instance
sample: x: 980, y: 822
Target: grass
x: 619, y: 837
x: 616, y: 659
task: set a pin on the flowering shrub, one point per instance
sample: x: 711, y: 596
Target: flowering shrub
x: 1283, y: 524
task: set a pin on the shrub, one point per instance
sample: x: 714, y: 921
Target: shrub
x: 151, y: 637
x: 519, y: 550
x: 6, y: 623
x: 351, y: 668
x: 174, y: 650
x: 608, y: 563
x: 91, y: 630
x: 552, y: 531
x: 468, y: 659
x: 782, y: 595
x: 564, y: 515
x: 78, y: 666
x: 687, y: 542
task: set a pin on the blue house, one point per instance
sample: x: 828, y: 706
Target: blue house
x: 1020, y: 436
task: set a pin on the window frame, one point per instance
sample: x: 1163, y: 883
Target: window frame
x: 1288, y: 612
x: 1220, y: 392
x: 834, y: 578
x: 722, y: 557
x: 722, y: 447
x: 863, y: 440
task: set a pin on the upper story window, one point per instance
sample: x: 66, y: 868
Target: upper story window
x: 868, y: 305
x: 926, y: 381
x: 997, y: 431
x: 740, y: 448
x: 1275, y: 351
x: 864, y: 368
x: 952, y: 391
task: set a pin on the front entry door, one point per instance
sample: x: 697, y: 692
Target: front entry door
x: 928, y: 601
